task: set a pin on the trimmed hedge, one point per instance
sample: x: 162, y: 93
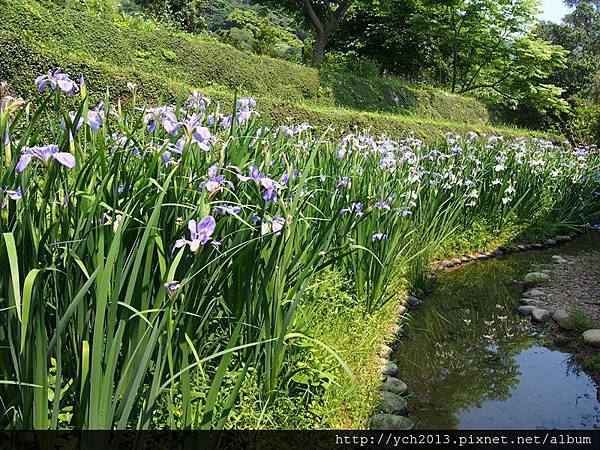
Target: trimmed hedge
x: 182, y: 57
x: 36, y: 36
x: 391, y: 95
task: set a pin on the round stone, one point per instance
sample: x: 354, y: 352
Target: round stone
x: 533, y: 293
x: 385, y: 351
x: 549, y: 242
x: 414, y: 301
x: 535, y: 278
x: 540, y: 315
x: 391, y: 422
x: 395, y: 386
x: 401, y: 310
x: 525, y: 310
x: 562, y: 319
x: 389, y: 369
x: 393, y: 403
x: 394, y: 330
x: 557, y: 259
x: 529, y: 301
x: 592, y: 337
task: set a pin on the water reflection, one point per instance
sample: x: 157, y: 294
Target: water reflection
x: 473, y: 363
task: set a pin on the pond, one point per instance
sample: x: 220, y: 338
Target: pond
x: 473, y: 363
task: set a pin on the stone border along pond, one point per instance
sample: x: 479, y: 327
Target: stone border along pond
x: 392, y: 411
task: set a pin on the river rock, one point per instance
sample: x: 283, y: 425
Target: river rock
x: 521, y: 248
x: 456, y: 261
x: 533, y: 293
x: 465, y: 259
x: 393, y: 404
x: 446, y: 264
x: 391, y: 422
x: 414, y: 301
x: 536, y: 278
x: 540, y: 315
x: 592, y: 337
x: 563, y: 238
x: 549, y: 242
x: 385, y: 351
x: 530, y: 301
x: 525, y: 310
x: 562, y: 319
x: 557, y: 259
x: 395, y: 386
x: 401, y: 310
x: 390, y: 369
x: 394, y: 330
x: 537, y: 246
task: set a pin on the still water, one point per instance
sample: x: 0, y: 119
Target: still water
x: 472, y: 363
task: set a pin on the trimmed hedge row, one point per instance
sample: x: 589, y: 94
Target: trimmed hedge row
x: 200, y: 61
x: 185, y: 58
x: 391, y: 95
x: 21, y: 64
x: 36, y: 36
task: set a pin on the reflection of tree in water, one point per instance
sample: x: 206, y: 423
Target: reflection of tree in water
x: 460, y: 348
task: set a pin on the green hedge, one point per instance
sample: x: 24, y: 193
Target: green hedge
x: 185, y: 58
x: 391, y: 95
x: 36, y: 36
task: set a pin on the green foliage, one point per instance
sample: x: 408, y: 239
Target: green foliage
x: 579, y: 33
x: 483, y: 47
x: 249, y: 31
x: 184, y: 14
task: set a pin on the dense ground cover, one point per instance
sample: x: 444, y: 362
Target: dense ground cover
x: 168, y: 265
x: 37, y: 35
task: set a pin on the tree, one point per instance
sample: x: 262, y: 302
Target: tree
x: 324, y: 17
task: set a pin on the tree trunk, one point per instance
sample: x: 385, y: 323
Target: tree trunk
x: 319, y: 50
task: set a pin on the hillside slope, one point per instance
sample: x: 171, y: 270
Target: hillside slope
x: 38, y: 35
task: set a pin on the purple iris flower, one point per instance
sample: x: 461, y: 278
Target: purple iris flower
x: 271, y: 186
x: 94, y: 120
x: 203, y: 138
x: 345, y: 182
x: 214, y: 181
x: 379, y: 237
x: 225, y: 122
x: 245, y: 104
x: 356, y: 208
x: 200, y: 234
x: 44, y: 154
x: 198, y: 101
x: 13, y: 195
x: 56, y: 79
x: 165, y: 115
x: 172, y: 287
x: 278, y: 223
x: 226, y: 210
